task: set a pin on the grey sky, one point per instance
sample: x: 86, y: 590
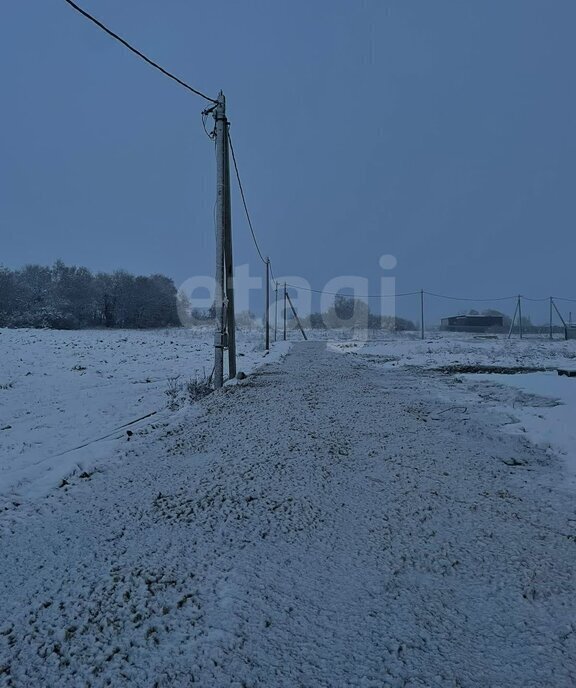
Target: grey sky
x: 438, y: 131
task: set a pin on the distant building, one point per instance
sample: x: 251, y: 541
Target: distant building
x: 473, y: 323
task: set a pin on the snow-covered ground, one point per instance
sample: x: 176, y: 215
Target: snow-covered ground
x: 440, y: 349
x: 327, y: 522
x: 543, y: 408
x: 67, y: 397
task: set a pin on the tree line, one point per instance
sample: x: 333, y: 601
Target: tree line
x: 70, y: 297
x: 347, y: 311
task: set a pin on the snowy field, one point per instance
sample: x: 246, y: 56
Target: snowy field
x: 516, y: 377
x: 543, y: 408
x: 332, y: 520
x: 372, y: 516
x: 68, y: 398
x: 439, y: 349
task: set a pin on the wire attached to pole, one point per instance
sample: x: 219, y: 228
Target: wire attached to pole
x: 244, y: 200
x: 125, y: 43
x: 458, y: 298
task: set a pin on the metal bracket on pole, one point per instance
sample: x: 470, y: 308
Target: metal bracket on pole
x: 221, y: 340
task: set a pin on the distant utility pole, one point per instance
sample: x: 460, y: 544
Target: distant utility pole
x: 285, y: 305
x: 276, y: 314
x: 224, y: 293
x: 421, y: 313
x: 267, y: 309
x: 520, y: 315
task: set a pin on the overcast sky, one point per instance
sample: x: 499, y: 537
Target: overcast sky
x: 442, y: 132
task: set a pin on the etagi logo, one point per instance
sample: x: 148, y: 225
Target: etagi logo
x: 344, y: 303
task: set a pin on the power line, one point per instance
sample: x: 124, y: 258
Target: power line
x: 137, y: 52
x: 272, y: 275
x: 458, y: 298
x: 244, y: 200
x: 359, y: 296
x: 428, y: 293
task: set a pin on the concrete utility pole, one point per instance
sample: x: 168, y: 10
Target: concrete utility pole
x: 551, y: 326
x: 520, y: 315
x: 285, y: 304
x: 276, y: 314
x: 222, y: 200
x: 421, y: 313
x: 229, y: 267
x: 267, y: 307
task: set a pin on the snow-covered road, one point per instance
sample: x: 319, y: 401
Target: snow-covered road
x: 326, y: 522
